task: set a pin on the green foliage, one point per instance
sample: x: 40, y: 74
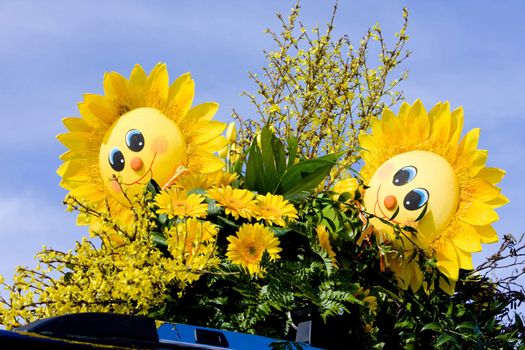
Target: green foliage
x: 269, y: 170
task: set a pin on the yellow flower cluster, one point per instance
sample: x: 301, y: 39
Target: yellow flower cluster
x: 192, y: 242
x: 273, y: 209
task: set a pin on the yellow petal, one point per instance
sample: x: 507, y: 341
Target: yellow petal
x: 203, y: 111
x: 447, y: 285
x: 76, y: 124
x: 214, y: 144
x: 492, y: 175
x: 465, y: 259
x: 204, y: 132
x: 447, y: 261
x: 419, y: 123
x: 481, y: 190
x: 180, y: 97
x: 115, y: 86
x: 477, y: 213
x: 487, y: 234
x: 76, y: 141
x: 204, y: 162
x: 158, y: 87
x: 467, y: 238
x: 499, y: 201
x: 137, y: 86
x: 440, y: 118
x: 469, y: 142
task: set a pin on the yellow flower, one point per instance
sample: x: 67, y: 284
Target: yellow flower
x: 465, y: 209
x: 236, y: 202
x: 324, y: 241
x: 349, y: 185
x: 169, y: 135
x: 193, y: 181
x: 247, y: 248
x: 192, y: 246
x: 274, y: 209
x: 175, y: 202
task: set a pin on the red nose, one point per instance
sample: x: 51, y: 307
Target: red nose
x: 136, y: 163
x: 390, y: 202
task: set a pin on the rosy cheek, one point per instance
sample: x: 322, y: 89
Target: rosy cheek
x: 385, y: 171
x: 159, y: 145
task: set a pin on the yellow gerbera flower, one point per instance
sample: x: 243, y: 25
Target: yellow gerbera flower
x: 192, y: 181
x: 142, y: 128
x: 324, y: 241
x: 274, y: 209
x: 247, y: 248
x: 236, y: 202
x: 175, y: 202
x: 192, y: 245
x: 421, y: 173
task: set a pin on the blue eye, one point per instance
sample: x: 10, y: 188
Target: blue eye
x: 135, y: 140
x: 404, y: 175
x: 116, y: 159
x: 416, y: 199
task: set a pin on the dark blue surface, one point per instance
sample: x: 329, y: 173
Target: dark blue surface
x: 175, y: 332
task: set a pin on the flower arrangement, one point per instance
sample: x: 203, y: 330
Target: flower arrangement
x: 242, y: 231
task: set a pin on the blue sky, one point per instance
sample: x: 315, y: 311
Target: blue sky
x: 470, y: 53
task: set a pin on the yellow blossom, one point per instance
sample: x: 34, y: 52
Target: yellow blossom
x: 192, y: 246
x: 274, y: 209
x: 324, y: 241
x: 175, y: 202
x: 236, y: 202
x: 247, y: 248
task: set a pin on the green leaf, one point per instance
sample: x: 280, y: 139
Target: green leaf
x: 445, y: 338
x: 266, y: 163
x: 292, y: 150
x: 301, y: 179
x: 280, y: 231
x: 466, y: 325
x: 433, y: 326
x: 159, y: 240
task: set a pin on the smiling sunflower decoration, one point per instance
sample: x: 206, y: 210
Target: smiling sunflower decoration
x: 421, y: 174
x: 142, y: 128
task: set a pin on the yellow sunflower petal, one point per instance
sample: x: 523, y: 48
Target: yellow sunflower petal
x: 487, y: 234
x: 447, y: 261
x: 499, y: 201
x: 467, y: 238
x: 478, y: 214
x: 481, y: 190
x: 158, y: 82
x: 465, y: 259
x: 492, y: 175
x: 76, y: 124
x: 115, y: 86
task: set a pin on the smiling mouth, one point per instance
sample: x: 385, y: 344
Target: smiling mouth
x: 149, y: 171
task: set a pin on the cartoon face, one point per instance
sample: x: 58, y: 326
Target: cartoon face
x: 142, y: 144
x: 418, y: 189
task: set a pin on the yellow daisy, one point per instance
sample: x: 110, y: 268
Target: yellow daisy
x: 420, y: 173
x: 192, y: 246
x: 236, y: 202
x: 274, y: 209
x: 247, y: 248
x: 193, y: 181
x: 141, y: 128
x: 175, y: 202
x: 324, y: 241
